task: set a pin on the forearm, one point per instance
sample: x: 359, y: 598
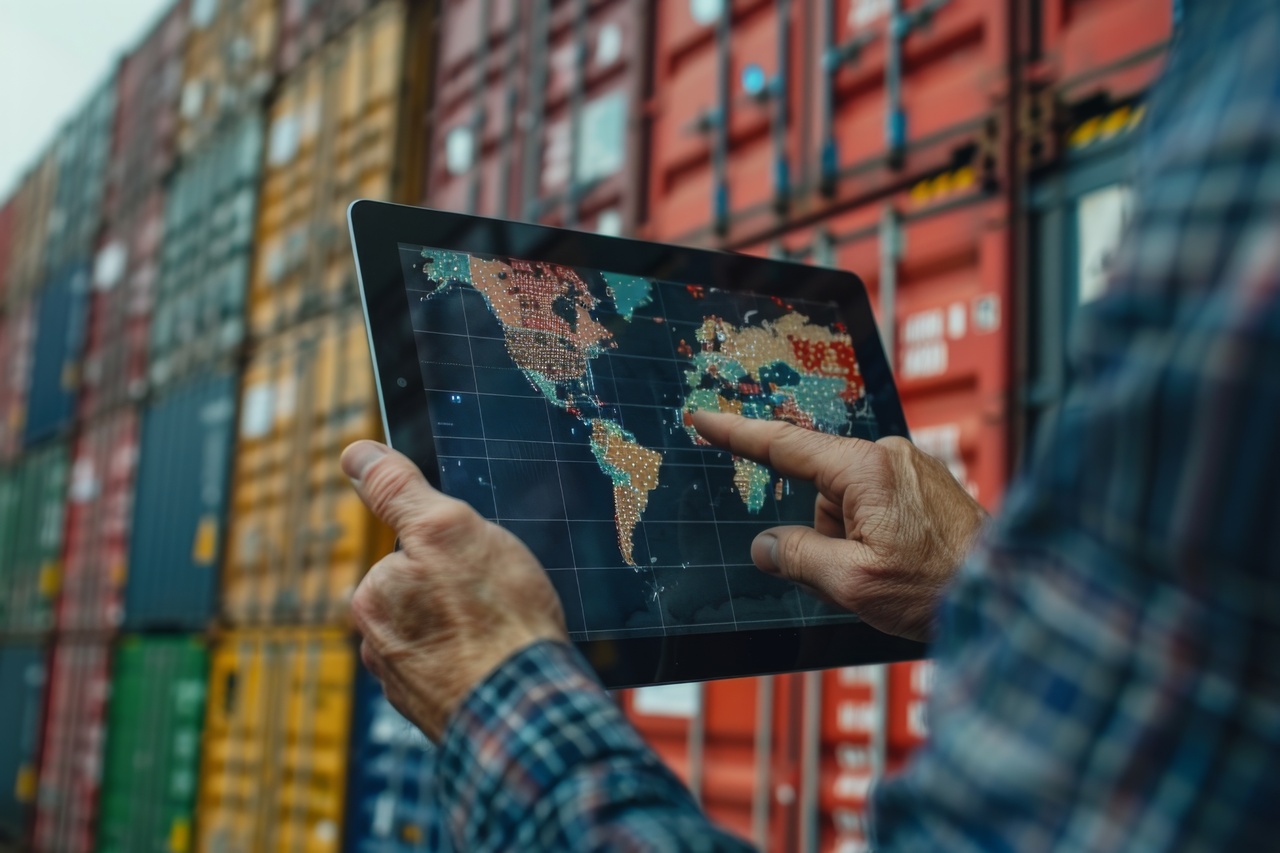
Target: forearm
x: 540, y: 758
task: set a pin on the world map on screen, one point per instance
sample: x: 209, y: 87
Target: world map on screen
x: 561, y: 402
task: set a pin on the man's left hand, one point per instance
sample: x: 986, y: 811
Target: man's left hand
x: 461, y: 597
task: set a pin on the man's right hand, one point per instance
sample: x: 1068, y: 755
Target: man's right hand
x: 891, y: 525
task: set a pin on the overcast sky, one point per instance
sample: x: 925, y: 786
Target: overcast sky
x: 52, y: 55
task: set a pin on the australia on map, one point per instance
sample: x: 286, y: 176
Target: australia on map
x: 557, y: 322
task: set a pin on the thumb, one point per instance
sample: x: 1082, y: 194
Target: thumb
x: 389, y: 483
x: 806, y: 556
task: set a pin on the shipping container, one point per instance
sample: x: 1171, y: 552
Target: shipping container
x: 32, y: 501
x: 736, y: 745
x: 150, y: 82
x: 99, y: 513
x: 767, y: 111
x: 124, y: 276
x: 229, y: 66
x: 907, y: 727
x: 935, y: 259
x: 1077, y: 215
x: 153, y: 745
x: 335, y: 136
x: 539, y: 109
x: 33, y: 202
x: 198, y: 316
x: 55, y: 365
x: 17, y: 337
x: 391, y: 805
x: 275, y: 745
x: 1084, y: 49
x: 8, y: 224
x: 179, y: 512
x: 71, y: 761
x: 22, y: 678
x: 306, y: 25
x: 300, y: 538
x: 81, y: 149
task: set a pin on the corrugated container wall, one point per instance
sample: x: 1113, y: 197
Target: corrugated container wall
x: 22, y: 680
x: 180, y: 508
x: 198, y: 316
x: 306, y: 25
x: 71, y: 761
x: 538, y: 110
x: 300, y: 537
x: 391, y: 804
x: 335, y: 136
x: 82, y: 148
x: 765, y: 112
x: 276, y: 737
x: 99, y: 513
x: 114, y: 370
x: 8, y: 224
x: 32, y: 496
x: 33, y: 202
x: 17, y: 337
x: 153, y: 745
x: 229, y: 66
x: 1085, y: 49
x: 150, y: 81
x: 59, y: 341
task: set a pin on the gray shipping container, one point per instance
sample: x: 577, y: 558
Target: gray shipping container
x: 180, y: 506
x: 22, y: 677
x: 1078, y: 212
x: 82, y: 149
x: 61, y: 316
x: 198, y: 318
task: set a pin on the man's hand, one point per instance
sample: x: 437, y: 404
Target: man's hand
x: 890, y: 528
x: 461, y: 596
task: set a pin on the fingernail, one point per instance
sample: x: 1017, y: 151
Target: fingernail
x: 764, y: 551
x: 359, y: 456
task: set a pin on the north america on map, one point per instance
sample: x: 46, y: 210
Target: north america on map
x: 558, y: 323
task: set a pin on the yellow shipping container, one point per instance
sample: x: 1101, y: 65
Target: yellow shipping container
x: 300, y: 538
x: 230, y: 64
x: 344, y: 125
x: 275, y: 741
x: 33, y: 204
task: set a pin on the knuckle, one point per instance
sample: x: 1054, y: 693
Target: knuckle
x: 385, y: 482
x: 444, y: 523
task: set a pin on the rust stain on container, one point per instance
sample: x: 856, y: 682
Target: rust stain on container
x: 300, y: 538
x: 273, y: 770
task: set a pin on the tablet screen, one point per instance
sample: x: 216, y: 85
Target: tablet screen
x: 559, y: 401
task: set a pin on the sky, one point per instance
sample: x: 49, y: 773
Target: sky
x: 53, y: 53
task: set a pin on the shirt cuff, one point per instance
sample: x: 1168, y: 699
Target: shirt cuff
x: 530, y: 723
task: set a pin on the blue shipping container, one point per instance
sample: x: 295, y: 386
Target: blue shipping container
x: 180, y: 506
x: 22, y: 676
x: 391, y: 792
x: 55, y: 368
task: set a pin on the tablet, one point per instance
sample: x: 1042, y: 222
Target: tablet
x: 546, y: 377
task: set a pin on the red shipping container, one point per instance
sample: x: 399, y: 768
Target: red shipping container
x: 767, y: 112
x: 99, y: 514
x: 735, y: 743
x: 843, y: 757
x: 8, y: 221
x: 148, y: 88
x: 537, y: 111
x: 909, y: 686
x: 1109, y: 48
x: 17, y: 338
x: 71, y: 762
x: 124, y: 272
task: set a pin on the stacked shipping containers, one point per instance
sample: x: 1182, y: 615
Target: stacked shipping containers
x: 184, y: 361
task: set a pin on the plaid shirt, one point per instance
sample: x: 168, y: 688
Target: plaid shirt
x: 1108, y: 669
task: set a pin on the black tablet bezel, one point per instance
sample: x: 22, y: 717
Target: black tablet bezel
x: 378, y: 229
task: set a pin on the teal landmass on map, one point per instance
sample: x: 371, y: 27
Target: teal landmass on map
x: 628, y: 292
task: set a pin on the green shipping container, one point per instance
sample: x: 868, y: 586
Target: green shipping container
x: 32, y: 496
x: 153, y: 745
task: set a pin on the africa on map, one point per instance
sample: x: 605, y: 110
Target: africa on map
x: 561, y: 400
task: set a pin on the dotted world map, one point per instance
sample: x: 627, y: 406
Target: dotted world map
x: 561, y: 401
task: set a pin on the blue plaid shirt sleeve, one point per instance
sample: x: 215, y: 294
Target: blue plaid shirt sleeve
x: 539, y: 757
x: 1108, y: 667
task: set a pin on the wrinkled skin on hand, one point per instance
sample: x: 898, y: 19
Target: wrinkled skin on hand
x: 891, y: 525
x: 460, y: 597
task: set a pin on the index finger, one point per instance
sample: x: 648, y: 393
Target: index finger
x: 791, y: 450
